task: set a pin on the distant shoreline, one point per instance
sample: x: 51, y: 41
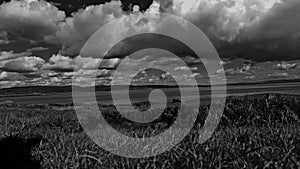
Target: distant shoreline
x: 70, y: 105
x: 40, y: 90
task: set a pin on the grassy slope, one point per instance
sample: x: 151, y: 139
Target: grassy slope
x: 254, y: 132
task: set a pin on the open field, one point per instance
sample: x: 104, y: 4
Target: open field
x: 255, y: 131
x: 40, y: 95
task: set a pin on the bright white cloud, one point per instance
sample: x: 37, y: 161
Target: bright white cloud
x: 184, y: 68
x: 285, y: 66
x: 3, y: 75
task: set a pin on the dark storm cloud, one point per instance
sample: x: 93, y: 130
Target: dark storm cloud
x: 276, y: 36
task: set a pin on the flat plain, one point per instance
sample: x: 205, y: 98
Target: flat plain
x: 255, y: 131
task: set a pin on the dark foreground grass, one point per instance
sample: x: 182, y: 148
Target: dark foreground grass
x: 254, y: 132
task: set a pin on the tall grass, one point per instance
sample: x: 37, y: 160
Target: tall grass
x: 261, y: 131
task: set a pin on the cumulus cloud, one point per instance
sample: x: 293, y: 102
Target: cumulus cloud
x: 77, y: 29
x: 23, y: 18
x: 252, y: 29
x: 30, y: 20
x: 3, y: 75
x: 59, y: 63
x: 74, y: 32
x: 22, y: 64
x: 222, y: 19
x: 263, y: 30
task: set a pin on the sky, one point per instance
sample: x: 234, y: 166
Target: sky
x: 40, y: 41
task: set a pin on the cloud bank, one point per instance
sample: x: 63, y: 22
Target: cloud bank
x: 253, y: 29
x: 257, y: 30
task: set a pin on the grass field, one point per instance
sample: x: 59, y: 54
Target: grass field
x: 256, y: 131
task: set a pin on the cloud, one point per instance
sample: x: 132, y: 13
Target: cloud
x: 185, y: 68
x: 191, y: 60
x: 109, y: 63
x: 22, y: 64
x: 252, y: 29
x: 3, y: 75
x: 279, y: 22
x: 222, y: 19
x: 87, y: 62
x: 285, y: 66
x: 37, y: 49
x: 278, y: 75
x: 90, y: 73
x: 9, y: 84
x: 11, y: 55
x: 30, y: 20
x: 257, y: 30
x: 59, y: 63
x: 192, y: 76
x: 74, y: 32
x: 277, y: 35
x: 182, y: 68
x: 4, y: 37
x: 225, y: 22
x: 10, y: 76
x: 55, y: 80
